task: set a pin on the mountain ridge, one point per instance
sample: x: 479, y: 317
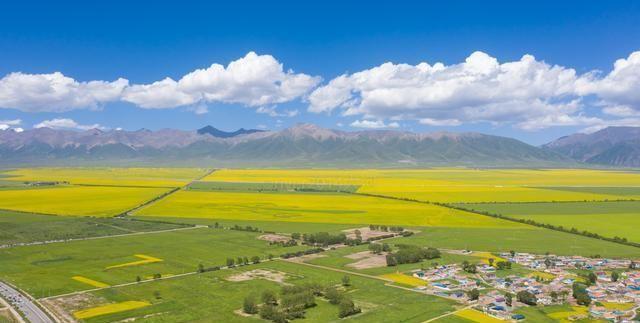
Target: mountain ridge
x: 301, y: 145
x: 614, y: 146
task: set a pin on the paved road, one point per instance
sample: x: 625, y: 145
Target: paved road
x: 23, y: 305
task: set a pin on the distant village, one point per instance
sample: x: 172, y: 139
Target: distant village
x: 608, y: 288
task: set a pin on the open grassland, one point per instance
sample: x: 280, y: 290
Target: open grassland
x: 44, y: 270
x: 20, y: 227
x: 78, y: 200
x: 211, y: 297
x: 609, y: 219
x: 317, y: 208
x: 448, y: 185
x: 154, y: 177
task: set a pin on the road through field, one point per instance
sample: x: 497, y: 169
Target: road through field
x: 23, y: 304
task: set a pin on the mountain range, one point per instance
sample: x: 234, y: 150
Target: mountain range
x: 306, y: 145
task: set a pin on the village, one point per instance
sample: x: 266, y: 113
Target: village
x: 606, y: 289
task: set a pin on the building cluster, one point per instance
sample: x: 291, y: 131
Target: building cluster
x: 550, y: 278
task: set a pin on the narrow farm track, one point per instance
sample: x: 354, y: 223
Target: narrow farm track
x: 448, y: 314
x: 160, y: 197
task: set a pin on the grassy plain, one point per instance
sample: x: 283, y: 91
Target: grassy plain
x: 609, y: 219
x: 78, y: 200
x: 316, y: 208
x: 20, y: 227
x: 49, y: 269
x: 210, y: 297
x: 153, y: 177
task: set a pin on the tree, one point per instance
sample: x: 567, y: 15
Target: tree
x: 385, y: 247
x: 513, y: 253
x: 230, y: 262
x: 270, y: 256
x: 333, y: 295
x: 239, y: 261
x: 508, y: 297
x: 491, y: 260
x: 347, y: 308
x: 583, y: 299
x: 255, y: 259
x: 615, y: 276
x: 245, y: 260
x: 295, y: 236
x: 200, y: 268
x: 157, y: 295
x: 527, y: 297
x: 554, y: 296
x: 346, y: 281
x: 592, y: 278
x: 268, y: 311
x: 249, y: 306
x: 391, y: 260
x: 269, y: 298
x: 473, y: 294
x: 138, y: 279
x: 375, y: 248
x: 548, y: 263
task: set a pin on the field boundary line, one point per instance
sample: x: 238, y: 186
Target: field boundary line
x: 37, y: 243
x: 448, y: 314
x: 164, y: 195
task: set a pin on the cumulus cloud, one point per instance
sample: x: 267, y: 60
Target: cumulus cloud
x: 377, y: 124
x: 254, y: 81
x: 480, y: 89
x: 56, y: 92
x: 620, y: 89
x: 67, y: 124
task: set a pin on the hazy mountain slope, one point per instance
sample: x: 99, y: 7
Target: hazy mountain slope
x: 615, y: 146
x: 302, y: 145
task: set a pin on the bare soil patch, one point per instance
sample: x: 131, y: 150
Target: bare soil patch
x: 274, y: 237
x: 367, y: 260
x: 63, y: 306
x: 305, y: 258
x: 366, y: 233
x: 274, y: 276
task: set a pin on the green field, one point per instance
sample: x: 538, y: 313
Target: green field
x: 209, y: 297
x: 609, y: 219
x: 48, y: 269
x: 19, y: 227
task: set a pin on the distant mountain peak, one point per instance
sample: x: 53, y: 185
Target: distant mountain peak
x: 616, y: 146
x: 215, y: 132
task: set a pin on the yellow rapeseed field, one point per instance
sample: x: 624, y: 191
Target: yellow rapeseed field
x: 109, y: 309
x: 564, y: 316
x: 405, y: 279
x: 477, y: 316
x: 485, y: 256
x: 317, y: 208
x: 89, y: 281
x: 145, y: 260
x: 450, y: 185
x: 77, y: 200
x: 156, y: 177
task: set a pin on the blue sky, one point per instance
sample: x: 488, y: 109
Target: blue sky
x: 146, y: 42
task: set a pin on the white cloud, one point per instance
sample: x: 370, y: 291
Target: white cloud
x: 619, y: 88
x: 440, y: 122
x: 478, y: 90
x: 370, y: 124
x: 18, y: 129
x: 254, y: 81
x: 55, y: 92
x: 9, y: 124
x: 69, y: 124
x: 272, y: 112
